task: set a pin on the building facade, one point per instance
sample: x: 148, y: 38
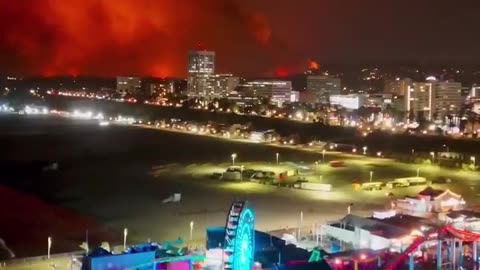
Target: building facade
x: 277, y: 91
x: 398, y: 87
x: 224, y: 84
x: 419, y: 100
x: 129, y: 85
x: 201, y: 66
x: 349, y: 102
x: 323, y: 86
x: 448, y: 98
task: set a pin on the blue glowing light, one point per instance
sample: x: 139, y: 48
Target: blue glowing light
x: 244, y: 242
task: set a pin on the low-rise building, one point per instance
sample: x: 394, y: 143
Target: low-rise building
x: 277, y: 91
x: 430, y: 202
x: 349, y: 102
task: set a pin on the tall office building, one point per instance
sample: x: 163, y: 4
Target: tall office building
x: 398, y: 87
x: 323, y: 86
x: 277, y: 91
x: 419, y: 99
x: 129, y: 85
x: 448, y: 98
x: 201, y: 66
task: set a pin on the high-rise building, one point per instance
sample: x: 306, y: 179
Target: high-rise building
x: 277, y: 91
x: 419, y: 99
x: 447, y: 98
x: 398, y: 87
x: 323, y: 86
x: 201, y: 66
x: 129, y: 85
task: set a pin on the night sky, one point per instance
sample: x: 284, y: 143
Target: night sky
x: 250, y: 37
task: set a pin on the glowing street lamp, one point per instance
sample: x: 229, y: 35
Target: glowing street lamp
x: 364, y: 150
x: 472, y: 159
x: 191, y: 230
x: 371, y: 176
x: 379, y: 153
x: 433, y: 156
x: 125, y: 233
x: 301, y: 224
x: 323, y: 155
x: 277, y: 157
x: 354, y: 150
x: 234, y: 156
x: 49, y: 240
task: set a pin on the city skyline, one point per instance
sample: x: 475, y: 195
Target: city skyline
x: 149, y: 38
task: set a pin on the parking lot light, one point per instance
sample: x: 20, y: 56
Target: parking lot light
x: 234, y: 156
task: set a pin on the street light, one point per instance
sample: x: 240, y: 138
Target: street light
x: 125, y: 233
x: 371, y: 176
x: 49, y: 240
x: 446, y: 146
x: 234, y: 156
x: 433, y: 156
x: 191, y: 230
x: 379, y: 153
x: 323, y: 155
x: 277, y: 157
x: 354, y: 150
x: 301, y: 224
x: 472, y: 159
x: 364, y: 150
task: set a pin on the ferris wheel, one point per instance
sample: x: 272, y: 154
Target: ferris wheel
x: 239, y: 240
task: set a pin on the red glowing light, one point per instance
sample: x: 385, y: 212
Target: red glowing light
x: 281, y: 72
x: 200, y: 47
x: 312, y: 65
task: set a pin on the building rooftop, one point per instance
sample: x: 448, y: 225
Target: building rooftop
x: 464, y: 213
x: 393, y: 227
x: 429, y: 191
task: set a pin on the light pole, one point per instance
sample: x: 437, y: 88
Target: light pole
x: 277, y: 155
x: 472, y: 159
x: 300, y: 227
x: 323, y: 156
x: 418, y: 172
x: 191, y: 230
x: 49, y: 240
x: 371, y: 176
x: 125, y: 233
x: 234, y: 156
x: 364, y: 150
x: 433, y: 156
